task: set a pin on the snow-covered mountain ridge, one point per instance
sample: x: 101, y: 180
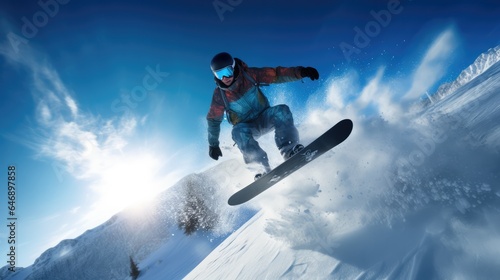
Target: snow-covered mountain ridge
x: 481, y: 64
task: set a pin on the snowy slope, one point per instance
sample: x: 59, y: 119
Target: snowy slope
x: 177, y: 257
x: 251, y: 253
x: 412, y: 199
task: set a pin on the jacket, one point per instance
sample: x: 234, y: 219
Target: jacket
x: 245, y: 101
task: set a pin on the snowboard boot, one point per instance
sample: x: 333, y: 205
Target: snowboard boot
x: 258, y: 176
x: 266, y: 170
x: 297, y: 148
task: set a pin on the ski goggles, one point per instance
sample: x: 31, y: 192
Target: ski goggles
x: 227, y: 71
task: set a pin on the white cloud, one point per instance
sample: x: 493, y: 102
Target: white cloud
x: 75, y: 210
x: 44, y: 112
x: 92, y: 149
x: 70, y: 102
x: 433, y: 65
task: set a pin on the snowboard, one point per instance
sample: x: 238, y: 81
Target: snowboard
x: 334, y: 136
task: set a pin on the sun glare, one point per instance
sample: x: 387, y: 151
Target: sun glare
x: 127, y: 181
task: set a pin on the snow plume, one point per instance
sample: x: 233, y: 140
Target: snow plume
x: 201, y: 203
x: 410, y: 194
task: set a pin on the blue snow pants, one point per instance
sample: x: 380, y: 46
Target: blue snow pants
x: 278, y: 118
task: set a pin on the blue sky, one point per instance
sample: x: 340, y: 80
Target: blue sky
x: 103, y: 102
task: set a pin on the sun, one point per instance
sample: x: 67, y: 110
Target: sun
x: 127, y: 180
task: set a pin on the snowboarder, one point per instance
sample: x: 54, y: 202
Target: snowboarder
x: 248, y: 109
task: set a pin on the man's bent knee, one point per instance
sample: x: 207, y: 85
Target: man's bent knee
x: 283, y: 114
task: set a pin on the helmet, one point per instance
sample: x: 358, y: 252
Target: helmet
x: 221, y: 60
x: 223, y: 65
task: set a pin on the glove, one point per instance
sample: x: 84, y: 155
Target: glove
x: 215, y: 152
x: 309, y: 72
